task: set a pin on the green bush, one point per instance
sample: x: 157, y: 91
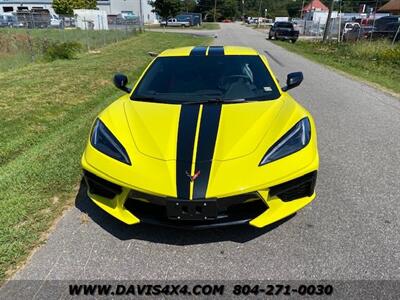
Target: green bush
x: 56, y: 50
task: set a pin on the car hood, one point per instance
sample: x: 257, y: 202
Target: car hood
x: 155, y: 127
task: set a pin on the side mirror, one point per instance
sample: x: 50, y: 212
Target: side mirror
x: 293, y: 80
x: 120, y: 81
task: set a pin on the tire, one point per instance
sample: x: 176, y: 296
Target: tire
x: 294, y: 41
x: 275, y: 37
x: 269, y: 37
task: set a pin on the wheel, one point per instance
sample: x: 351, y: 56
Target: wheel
x: 269, y: 37
x: 275, y: 36
x: 294, y: 41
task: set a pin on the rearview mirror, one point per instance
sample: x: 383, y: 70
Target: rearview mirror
x: 120, y: 81
x: 293, y: 80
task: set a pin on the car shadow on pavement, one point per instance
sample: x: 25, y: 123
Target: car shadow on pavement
x: 165, y: 235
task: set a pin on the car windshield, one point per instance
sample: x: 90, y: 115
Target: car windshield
x: 201, y: 78
x: 284, y: 25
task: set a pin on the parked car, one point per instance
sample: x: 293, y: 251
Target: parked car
x: 175, y: 23
x: 10, y: 20
x: 251, y: 20
x: 55, y: 21
x: 350, y: 26
x: 128, y: 15
x: 357, y: 33
x: 207, y: 100
x: 382, y: 23
x: 389, y: 31
x: 126, y: 18
x: 283, y: 31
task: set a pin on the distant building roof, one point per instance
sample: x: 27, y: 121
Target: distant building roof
x: 392, y: 6
x: 315, y: 5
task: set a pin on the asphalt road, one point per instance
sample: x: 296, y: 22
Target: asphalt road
x: 351, y: 230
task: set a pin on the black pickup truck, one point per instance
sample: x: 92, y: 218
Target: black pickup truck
x: 283, y: 31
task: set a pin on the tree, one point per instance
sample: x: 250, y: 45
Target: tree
x: 229, y: 9
x: 189, y: 5
x: 66, y: 7
x: 328, y: 21
x: 294, y: 8
x: 166, y: 8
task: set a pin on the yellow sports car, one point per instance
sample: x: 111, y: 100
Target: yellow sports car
x: 205, y: 138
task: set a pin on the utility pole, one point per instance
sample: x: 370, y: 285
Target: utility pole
x: 243, y: 11
x: 215, y: 10
x: 373, y: 24
x: 301, y: 17
x: 302, y: 8
x: 141, y: 19
x: 340, y: 21
x: 328, y: 21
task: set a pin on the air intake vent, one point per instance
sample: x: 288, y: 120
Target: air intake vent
x: 100, y: 186
x: 294, y: 189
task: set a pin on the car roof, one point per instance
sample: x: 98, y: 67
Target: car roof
x: 228, y: 50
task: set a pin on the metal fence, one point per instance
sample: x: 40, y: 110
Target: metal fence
x: 338, y: 31
x: 41, y: 19
x: 30, y: 41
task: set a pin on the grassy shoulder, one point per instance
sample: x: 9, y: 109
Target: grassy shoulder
x: 47, y: 110
x: 203, y: 26
x: 377, y: 62
x: 19, y: 47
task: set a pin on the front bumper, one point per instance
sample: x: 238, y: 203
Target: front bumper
x: 258, y: 208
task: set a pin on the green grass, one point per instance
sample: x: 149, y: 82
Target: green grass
x: 377, y: 61
x: 19, y: 47
x: 46, y: 113
x: 203, y: 26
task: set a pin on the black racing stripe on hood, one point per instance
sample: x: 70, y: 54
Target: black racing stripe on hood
x: 216, y: 51
x: 185, y: 147
x: 198, y: 51
x: 205, y: 147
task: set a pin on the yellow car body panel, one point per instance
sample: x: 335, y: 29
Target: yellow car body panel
x: 278, y: 210
x: 150, y: 137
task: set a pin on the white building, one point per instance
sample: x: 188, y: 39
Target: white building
x: 114, y: 7
x: 111, y: 7
x: 13, y: 5
x: 319, y: 17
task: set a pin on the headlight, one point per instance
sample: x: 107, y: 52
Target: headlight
x: 294, y: 140
x: 104, y: 141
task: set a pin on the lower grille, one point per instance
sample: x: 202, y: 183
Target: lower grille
x: 100, y: 186
x: 297, y: 188
x: 231, y: 210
